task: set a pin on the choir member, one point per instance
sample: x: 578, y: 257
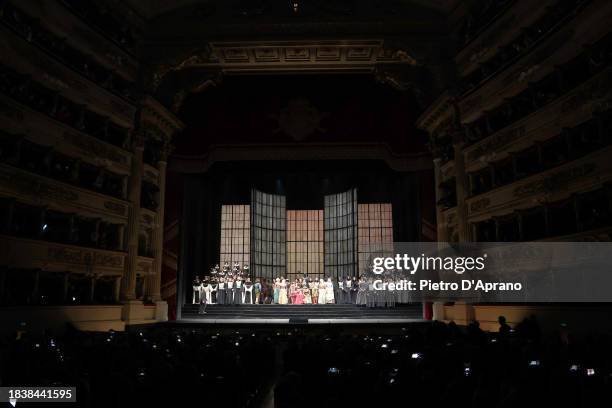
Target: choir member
x: 229, y: 291
x: 196, y: 290
x: 221, y: 291
x: 238, y: 291
x: 248, y: 292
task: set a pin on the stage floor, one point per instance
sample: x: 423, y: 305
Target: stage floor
x: 295, y: 314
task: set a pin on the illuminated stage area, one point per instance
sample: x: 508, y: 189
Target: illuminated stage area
x: 301, y: 314
x: 301, y: 253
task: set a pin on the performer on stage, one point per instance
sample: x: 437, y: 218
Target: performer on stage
x: 361, y: 293
x: 371, y: 294
x: 348, y: 286
x: 354, y: 289
x: 340, y: 292
x: 257, y: 290
x: 248, y: 292
x: 299, y: 294
x: 206, y: 289
x: 266, y: 291
x: 229, y: 291
x: 214, y: 285
x: 238, y: 291
x: 322, y: 292
x: 390, y: 296
x: 307, y: 294
x: 196, y: 290
x: 276, y: 290
x: 292, y: 291
x: 329, y: 291
x: 201, y: 290
x: 202, y: 308
x: 282, y: 294
x: 314, y: 291
x: 221, y: 291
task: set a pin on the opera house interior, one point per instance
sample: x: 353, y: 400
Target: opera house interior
x: 202, y: 199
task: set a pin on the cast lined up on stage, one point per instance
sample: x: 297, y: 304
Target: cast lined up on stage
x: 233, y: 286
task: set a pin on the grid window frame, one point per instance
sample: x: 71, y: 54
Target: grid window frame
x: 235, y: 236
x: 375, y: 233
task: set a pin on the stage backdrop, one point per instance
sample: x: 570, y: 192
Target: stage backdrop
x: 340, y: 225
x: 306, y: 185
x: 268, y: 235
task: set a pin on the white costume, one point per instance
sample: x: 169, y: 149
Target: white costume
x: 208, y: 293
x: 196, y: 293
x: 322, y: 293
x: 329, y: 291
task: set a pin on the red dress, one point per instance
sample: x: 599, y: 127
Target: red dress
x: 299, y: 297
x: 292, y: 293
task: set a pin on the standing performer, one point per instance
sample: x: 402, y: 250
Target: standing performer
x: 229, y: 292
x: 292, y: 291
x: 354, y: 290
x: 238, y: 291
x: 257, y: 290
x: 340, y: 292
x: 299, y: 295
x: 221, y: 291
x: 214, y: 285
x: 202, y: 289
x: 370, y: 294
x: 282, y: 293
x: 196, y: 290
x: 202, y: 309
x: 276, y: 290
x: 329, y: 291
x: 314, y: 290
x: 307, y: 294
x: 248, y: 292
x: 207, y: 288
x: 266, y: 291
x: 348, y: 286
x: 361, y: 293
x: 322, y: 292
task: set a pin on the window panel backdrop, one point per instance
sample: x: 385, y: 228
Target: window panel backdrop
x: 340, y: 224
x: 268, y: 235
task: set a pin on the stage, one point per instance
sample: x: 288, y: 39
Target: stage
x: 301, y: 314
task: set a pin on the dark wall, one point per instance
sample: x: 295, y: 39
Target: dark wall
x: 274, y: 109
x: 304, y: 183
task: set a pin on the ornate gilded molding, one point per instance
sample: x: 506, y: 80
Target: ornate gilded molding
x: 555, y: 181
x: 157, y: 122
x: 480, y: 205
x: 95, y: 148
x: 116, y: 208
x: 88, y: 258
x: 32, y: 185
x: 159, y: 72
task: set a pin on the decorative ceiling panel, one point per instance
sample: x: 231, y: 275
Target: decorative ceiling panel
x: 300, y: 55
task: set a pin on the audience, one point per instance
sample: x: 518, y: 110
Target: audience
x: 423, y: 365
